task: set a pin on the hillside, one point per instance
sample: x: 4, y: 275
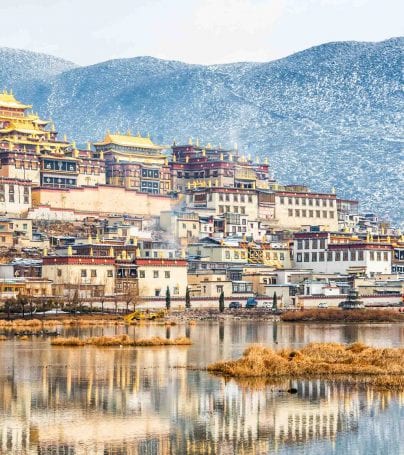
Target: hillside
x: 327, y: 116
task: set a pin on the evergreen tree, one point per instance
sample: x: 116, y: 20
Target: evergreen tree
x: 168, y: 299
x: 275, y: 301
x: 187, y: 298
x: 221, y: 302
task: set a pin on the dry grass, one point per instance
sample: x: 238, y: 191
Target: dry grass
x: 383, y: 366
x: 339, y: 315
x: 18, y: 324
x: 122, y: 340
x: 3, y: 338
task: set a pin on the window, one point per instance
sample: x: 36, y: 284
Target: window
x: 300, y: 244
x: 235, y: 197
x: 314, y: 257
x: 307, y: 244
x: 331, y: 203
x: 167, y: 274
x: 329, y: 256
x: 290, y: 212
x: 338, y: 255
x: 311, y: 202
x: 59, y: 272
x: 236, y: 255
x: 372, y: 255
x: 155, y: 273
x: 345, y: 256
x: 304, y: 213
x: 176, y: 290
x: 324, y: 202
x: 142, y: 274
x: 314, y: 244
x: 322, y: 244
x: 227, y: 254
x: 306, y: 257
x: 290, y: 201
x: 93, y: 273
x: 353, y: 255
x: 110, y: 273
x: 379, y: 255
x: 299, y: 257
x: 324, y: 213
x: 242, y: 198
x: 317, y: 202
x: 297, y: 201
x: 311, y: 213
x: 360, y: 255
x: 227, y: 197
x: 83, y: 273
x: 297, y: 213
x: 250, y: 199
x: 385, y: 256
x: 331, y: 214
x: 157, y: 292
x: 318, y: 214
x: 304, y: 201
x: 221, y: 197
x: 282, y: 200
x: 321, y: 256
x: 242, y: 210
x: 219, y: 289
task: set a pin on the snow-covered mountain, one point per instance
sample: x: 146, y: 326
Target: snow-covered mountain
x: 329, y: 116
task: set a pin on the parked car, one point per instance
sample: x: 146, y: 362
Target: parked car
x: 235, y: 305
x: 251, y: 302
x: 323, y: 305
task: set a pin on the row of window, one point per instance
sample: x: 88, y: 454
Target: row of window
x: 310, y: 213
x: 156, y: 274
x: 84, y: 273
x: 331, y: 256
x: 315, y: 244
x: 306, y: 201
x: 227, y: 209
x: 11, y: 193
x: 202, y: 174
x: 236, y: 197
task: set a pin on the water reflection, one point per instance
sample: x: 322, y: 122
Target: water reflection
x: 142, y: 401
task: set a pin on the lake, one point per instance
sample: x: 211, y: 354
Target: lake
x: 66, y: 400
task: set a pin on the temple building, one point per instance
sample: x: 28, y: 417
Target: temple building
x: 29, y: 150
x: 135, y: 162
x: 195, y: 166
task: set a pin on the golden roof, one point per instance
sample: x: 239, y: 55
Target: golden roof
x: 127, y: 140
x: 8, y: 100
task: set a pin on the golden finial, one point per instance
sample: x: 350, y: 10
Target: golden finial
x: 91, y: 251
x: 128, y: 133
x: 111, y: 252
x: 235, y: 146
x: 249, y: 157
x: 65, y: 138
x: 209, y: 183
x: 266, y: 160
x: 203, y: 152
x: 190, y: 141
x: 135, y: 241
x: 333, y: 190
x: 138, y: 134
x: 88, y: 145
x: 174, y: 158
x: 90, y: 239
x: 197, y: 141
x: 187, y: 159
x: 148, y: 135
x: 189, y: 185
x: 221, y: 157
x: 45, y: 251
x: 257, y: 160
x: 138, y: 252
x: 183, y: 253
x: 216, y: 182
x: 69, y: 250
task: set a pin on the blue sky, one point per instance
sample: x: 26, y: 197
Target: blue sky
x: 194, y: 31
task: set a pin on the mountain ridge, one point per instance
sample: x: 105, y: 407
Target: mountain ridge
x: 325, y: 116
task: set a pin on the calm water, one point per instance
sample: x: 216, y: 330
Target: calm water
x: 56, y: 400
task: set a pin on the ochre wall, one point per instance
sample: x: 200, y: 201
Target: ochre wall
x: 102, y: 199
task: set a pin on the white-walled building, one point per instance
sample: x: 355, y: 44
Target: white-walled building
x: 323, y: 252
